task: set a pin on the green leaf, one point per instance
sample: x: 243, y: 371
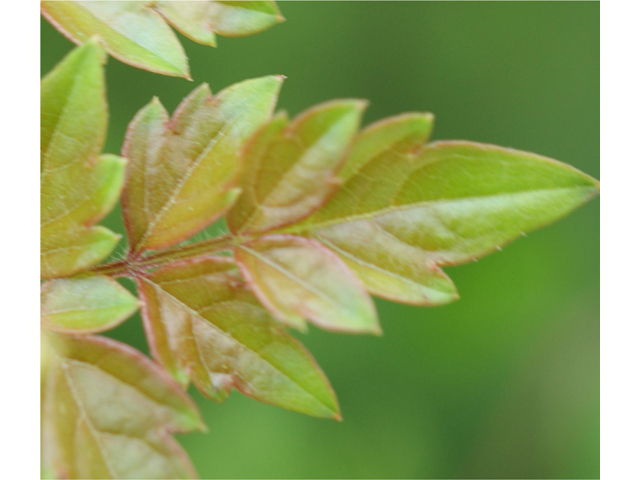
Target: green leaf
x: 131, y: 31
x: 404, y: 209
x: 181, y: 170
x: 297, y: 278
x: 200, y: 21
x: 136, y: 32
x: 289, y: 170
x: 203, y: 323
x: 78, y: 187
x: 85, y: 304
x: 108, y: 412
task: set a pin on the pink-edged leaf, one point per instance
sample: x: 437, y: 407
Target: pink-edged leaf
x: 289, y: 169
x: 78, y: 185
x: 204, y: 324
x: 181, y: 170
x: 300, y: 279
x: 405, y: 208
x: 108, y: 412
x: 131, y: 31
x: 200, y: 21
x: 85, y: 304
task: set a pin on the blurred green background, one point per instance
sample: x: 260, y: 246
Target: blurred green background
x: 503, y: 383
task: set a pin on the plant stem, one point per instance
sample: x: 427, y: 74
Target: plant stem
x: 131, y: 265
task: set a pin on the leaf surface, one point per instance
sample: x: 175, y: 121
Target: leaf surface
x: 181, y: 170
x: 85, y: 304
x: 204, y: 324
x: 200, y: 21
x: 108, y: 412
x: 131, y: 31
x: 78, y: 186
x: 405, y: 208
x: 298, y: 278
x: 289, y: 169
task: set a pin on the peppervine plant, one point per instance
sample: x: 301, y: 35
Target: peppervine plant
x: 320, y: 215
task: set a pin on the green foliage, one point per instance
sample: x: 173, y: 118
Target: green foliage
x: 78, y: 186
x: 107, y: 412
x: 85, y: 304
x: 138, y: 33
x: 320, y: 216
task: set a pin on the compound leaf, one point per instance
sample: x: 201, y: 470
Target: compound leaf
x: 204, y: 324
x: 132, y: 32
x: 289, y: 170
x: 200, y: 21
x: 85, y: 304
x: 298, y: 278
x: 405, y: 209
x: 108, y: 412
x: 181, y: 170
x: 78, y: 187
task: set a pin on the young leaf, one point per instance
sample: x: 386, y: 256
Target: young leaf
x: 85, y: 304
x: 136, y: 32
x: 403, y: 210
x: 200, y: 21
x: 297, y: 278
x: 132, y: 32
x: 203, y: 323
x: 289, y: 169
x: 108, y: 413
x: 181, y: 170
x: 78, y: 187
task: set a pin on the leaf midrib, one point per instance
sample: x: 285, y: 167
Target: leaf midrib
x: 410, y: 206
x: 234, y: 339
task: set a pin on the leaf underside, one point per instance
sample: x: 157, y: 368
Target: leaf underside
x: 137, y: 33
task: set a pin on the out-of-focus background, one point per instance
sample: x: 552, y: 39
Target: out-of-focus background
x: 502, y: 383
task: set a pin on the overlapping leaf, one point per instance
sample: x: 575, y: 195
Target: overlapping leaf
x: 405, y: 209
x: 85, y: 304
x: 203, y: 323
x: 200, y: 21
x: 180, y: 170
x: 289, y: 169
x: 108, y: 413
x: 298, y: 278
x: 136, y: 32
x: 78, y: 187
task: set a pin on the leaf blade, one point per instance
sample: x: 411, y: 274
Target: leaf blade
x: 86, y: 304
x: 298, y: 278
x: 441, y: 204
x: 287, y: 157
x: 204, y: 324
x: 110, y: 395
x: 181, y: 171
x: 131, y: 32
x: 77, y: 189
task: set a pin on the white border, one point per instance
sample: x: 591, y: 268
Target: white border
x: 620, y: 233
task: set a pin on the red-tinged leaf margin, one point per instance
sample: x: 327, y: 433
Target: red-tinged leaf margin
x: 286, y: 131
x: 275, y: 311
x: 183, y: 377
x: 152, y: 369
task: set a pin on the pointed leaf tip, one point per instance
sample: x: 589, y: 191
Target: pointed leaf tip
x: 203, y: 322
x: 200, y: 146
